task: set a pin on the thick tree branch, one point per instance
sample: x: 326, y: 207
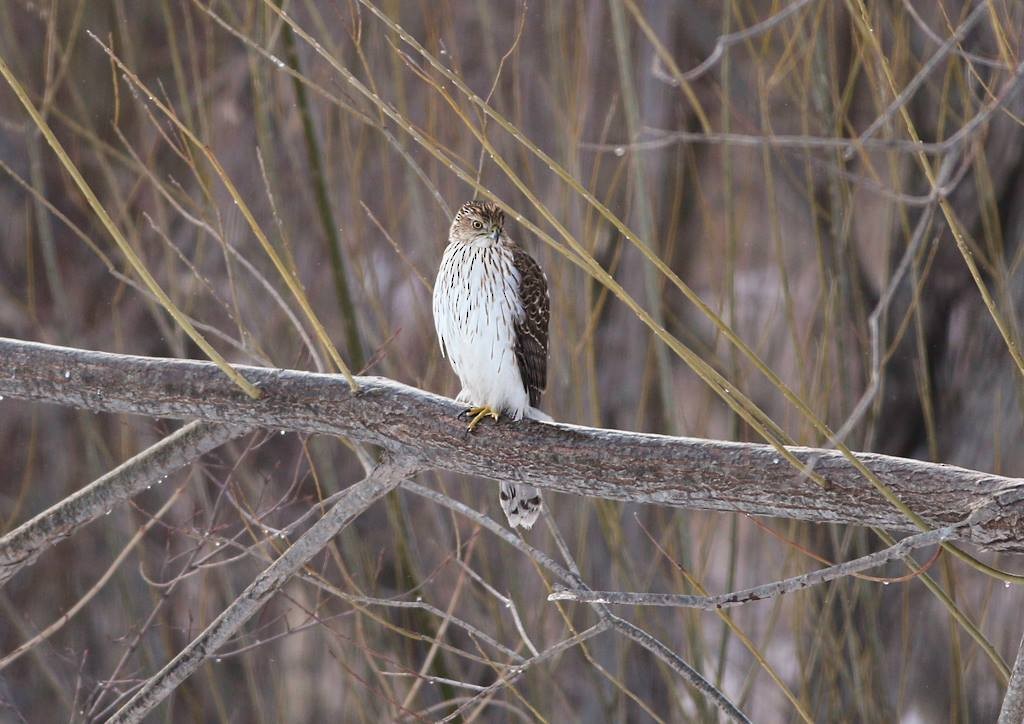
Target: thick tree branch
x: 681, y: 472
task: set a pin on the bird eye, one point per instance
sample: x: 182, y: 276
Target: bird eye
x: 478, y: 225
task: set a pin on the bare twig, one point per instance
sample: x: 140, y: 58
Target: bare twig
x: 647, y: 641
x: 922, y: 75
x: 518, y: 670
x: 724, y: 42
x: 824, y: 143
x: 91, y: 593
x: 358, y: 498
x: 507, y: 603
x: 677, y: 664
x: 136, y: 263
x: 1012, y: 710
x: 921, y: 230
x: 25, y: 543
x: 973, y: 57
x: 768, y: 590
x: 572, y: 577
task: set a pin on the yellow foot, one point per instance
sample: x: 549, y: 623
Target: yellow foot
x: 478, y: 414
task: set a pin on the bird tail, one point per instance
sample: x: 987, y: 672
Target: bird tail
x: 521, y: 502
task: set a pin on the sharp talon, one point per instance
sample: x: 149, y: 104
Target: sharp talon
x: 479, y: 413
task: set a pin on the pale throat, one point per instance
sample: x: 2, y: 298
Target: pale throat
x: 484, y: 241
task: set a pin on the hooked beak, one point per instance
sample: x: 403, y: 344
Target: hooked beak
x: 495, y: 233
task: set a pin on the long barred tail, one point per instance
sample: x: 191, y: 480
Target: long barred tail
x: 521, y: 502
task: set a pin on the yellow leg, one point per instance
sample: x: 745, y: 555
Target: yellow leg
x: 478, y: 414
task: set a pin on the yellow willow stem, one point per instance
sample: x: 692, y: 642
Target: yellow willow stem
x: 289, y: 278
x: 133, y: 259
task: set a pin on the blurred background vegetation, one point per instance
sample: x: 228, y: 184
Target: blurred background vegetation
x: 778, y: 181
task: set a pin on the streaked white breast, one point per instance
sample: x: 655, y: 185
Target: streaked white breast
x: 476, y: 305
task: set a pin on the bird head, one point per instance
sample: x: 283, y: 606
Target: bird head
x: 477, y: 222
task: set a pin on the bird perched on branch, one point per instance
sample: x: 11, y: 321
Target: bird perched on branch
x: 491, y: 311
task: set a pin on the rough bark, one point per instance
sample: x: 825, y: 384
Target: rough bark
x: 423, y: 427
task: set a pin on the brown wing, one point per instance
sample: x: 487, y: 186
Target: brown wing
x: 532, y: 329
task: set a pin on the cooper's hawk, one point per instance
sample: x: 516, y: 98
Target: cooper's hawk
x: 491, y: 312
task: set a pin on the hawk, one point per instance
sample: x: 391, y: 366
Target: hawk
x: 491, y: 311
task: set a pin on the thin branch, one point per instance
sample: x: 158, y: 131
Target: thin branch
x: 286, y: 274
x: 726, y: 41
x: 647, y: 641
x: 824, y: 143
x: 922, y: 75
x: 91, y: 593
x: 506, y: 602
x: 960, y: 52
x: 921, y: 230
x: 150, y: 467
x: 380, y: 481
x: 1012, y: 711
x: 571, y: 576
x: 321, y: 194
x: 518, y: 670
x: 677, y: 664
x: 768, y: 590
x: 133, y: 259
